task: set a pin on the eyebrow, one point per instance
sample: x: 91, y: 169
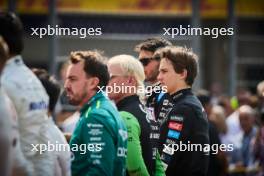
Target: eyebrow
x: 163, y: 69
x: 72, y: 77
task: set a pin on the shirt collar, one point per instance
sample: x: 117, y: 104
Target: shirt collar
x: 14, y: 60
x: 97, y: 96
x: 181, y: 93
x: 127, y: 101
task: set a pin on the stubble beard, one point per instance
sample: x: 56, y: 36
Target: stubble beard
x: 78, y: 101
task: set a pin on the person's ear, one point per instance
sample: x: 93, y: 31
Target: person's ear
x: 131, y: 80
x: 94, y: 82
x: 184, y: 74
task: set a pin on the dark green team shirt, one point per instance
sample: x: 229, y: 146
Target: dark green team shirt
x: 99, y: 141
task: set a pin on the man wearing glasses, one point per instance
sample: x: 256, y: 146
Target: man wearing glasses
x: 157, y: 102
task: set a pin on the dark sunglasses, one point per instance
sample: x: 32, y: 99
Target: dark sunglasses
x: 145, y: 61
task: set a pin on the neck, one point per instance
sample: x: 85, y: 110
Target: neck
x: 122, y: 97
x: 152, y: 82
x: 87, y: 98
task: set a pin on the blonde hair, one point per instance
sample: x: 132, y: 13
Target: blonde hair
x: 130, y: 67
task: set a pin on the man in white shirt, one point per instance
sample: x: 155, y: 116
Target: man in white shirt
x: 28, y: 96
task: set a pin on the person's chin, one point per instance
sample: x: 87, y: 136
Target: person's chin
x: 162, y: 84
x: 74, y: 102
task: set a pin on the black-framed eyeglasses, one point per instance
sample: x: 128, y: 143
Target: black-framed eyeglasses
x: 145, y: 61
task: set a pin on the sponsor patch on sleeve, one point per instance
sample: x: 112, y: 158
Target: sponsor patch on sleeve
x: 174, y: 134
x: 176, y: 118
x: 175, y: 126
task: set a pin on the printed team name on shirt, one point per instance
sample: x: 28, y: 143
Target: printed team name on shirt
x: 37, y: 105
x: 176, y: 118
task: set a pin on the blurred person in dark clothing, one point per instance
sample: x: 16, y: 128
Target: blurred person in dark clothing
x: 234, y: 130
x: 218, y: 164
x: 259, y: 144
x: 225, y: 102
x: 244, y: 155
x: 260, y: 91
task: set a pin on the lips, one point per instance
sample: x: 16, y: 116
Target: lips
x: 69, y: 93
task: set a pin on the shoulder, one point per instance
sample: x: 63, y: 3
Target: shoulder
x: 103, y: 112
x: 129, y: 119
x: 189, y: 114
x: 190, y: 105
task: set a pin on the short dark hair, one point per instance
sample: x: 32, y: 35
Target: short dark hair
x: 94, y: 65
x: 50, y: 84
x: 181, y: 58
x: 12, y: 31
x: 152, y: 44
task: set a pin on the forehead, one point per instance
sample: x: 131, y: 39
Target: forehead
x: 75, y: 69
x: 165, y: 63
x: 145, y: 54
x: 114, y: 69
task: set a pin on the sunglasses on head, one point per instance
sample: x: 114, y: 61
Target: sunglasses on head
x: 145, y: 61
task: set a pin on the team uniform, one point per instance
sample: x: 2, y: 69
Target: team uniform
x: 99, y: 141
x: 186, y: 123
x: 143, y: 133
x: 31, y: 103
x: 158, y: 103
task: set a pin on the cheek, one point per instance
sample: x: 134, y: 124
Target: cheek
x: 147, y: 69
x: 153, y: 66
x: 78, y: 86
x: 119, y: 82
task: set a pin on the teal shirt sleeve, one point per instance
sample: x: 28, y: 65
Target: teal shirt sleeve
x: 135, y: 161
x: 96, y: 139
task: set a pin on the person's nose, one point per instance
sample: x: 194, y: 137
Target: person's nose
x: 66, y: 84
x: 159, y: 77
